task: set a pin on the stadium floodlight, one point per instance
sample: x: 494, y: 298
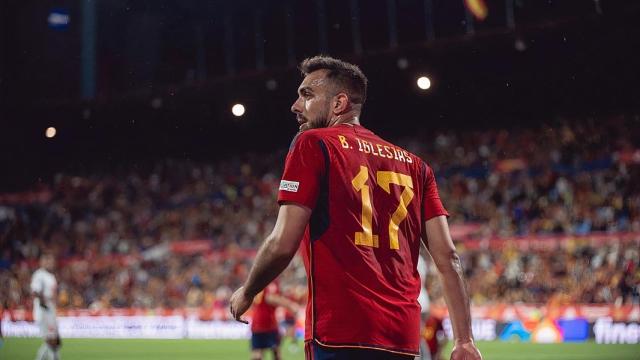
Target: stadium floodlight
x: 237, y: 110
x: 50, y: 132
x: 424, y: 83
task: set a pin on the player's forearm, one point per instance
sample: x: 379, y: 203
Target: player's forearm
x: 270, y: 261
x: 455, y: 295
x: 443, y: 252
x: 279, y: 247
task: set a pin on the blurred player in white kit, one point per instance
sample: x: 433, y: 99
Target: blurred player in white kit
x: 44, y: 288
x: 425, y: 304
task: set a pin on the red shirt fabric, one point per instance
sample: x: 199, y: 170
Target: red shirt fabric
x: 264, y: 314
x: 361, y: 246
x: 432, y: 327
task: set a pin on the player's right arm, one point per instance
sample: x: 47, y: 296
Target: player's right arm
x: 438, y: 240
x: 273, y: 257
x: 297, y: 196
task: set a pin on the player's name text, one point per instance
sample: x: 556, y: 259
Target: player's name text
x: 368, y: 147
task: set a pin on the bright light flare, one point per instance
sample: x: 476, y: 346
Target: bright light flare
x: 424, y: 83
x: 50, y: 132
x: 237, y: 110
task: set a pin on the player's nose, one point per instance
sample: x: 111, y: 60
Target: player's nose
x: 295, y: 107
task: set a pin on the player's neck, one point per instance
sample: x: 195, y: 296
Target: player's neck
x: 349, y: 118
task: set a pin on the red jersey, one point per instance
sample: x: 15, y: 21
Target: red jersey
x: 432, y: 327
x: 370, y: 200
x: 264, y: 314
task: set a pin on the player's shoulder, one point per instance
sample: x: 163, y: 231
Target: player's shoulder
x: 37, y: 275
x: 418, y: 159
x: 306, y: 137
x: 42, y: 273
x: 419, y: 162
x: 416, y: 162
x: 318, y: 133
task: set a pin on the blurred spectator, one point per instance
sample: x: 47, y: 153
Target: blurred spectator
x: 113, y: 232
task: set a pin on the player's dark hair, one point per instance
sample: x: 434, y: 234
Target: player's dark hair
x: 345, y: 75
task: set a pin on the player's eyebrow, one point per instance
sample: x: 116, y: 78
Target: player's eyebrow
x: 304, y: 89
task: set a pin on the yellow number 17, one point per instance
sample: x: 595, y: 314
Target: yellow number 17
x: 384, y: 179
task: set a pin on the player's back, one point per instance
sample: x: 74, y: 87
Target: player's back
x: 364, y: 239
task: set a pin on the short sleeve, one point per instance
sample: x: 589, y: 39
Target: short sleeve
x: 431, y: 204
x: 303, y: 170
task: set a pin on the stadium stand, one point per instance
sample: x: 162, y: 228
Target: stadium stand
x: 181, y: 234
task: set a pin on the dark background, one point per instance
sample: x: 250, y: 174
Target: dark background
x: 196, y: 58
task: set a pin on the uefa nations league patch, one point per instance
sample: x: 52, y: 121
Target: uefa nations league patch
x: 291, y: 186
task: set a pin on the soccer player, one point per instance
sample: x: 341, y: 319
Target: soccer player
x: 289, y: 322
x: 435, y: 336
x: 358, y: 206
x: 264, y: 326
x: 44, y: 290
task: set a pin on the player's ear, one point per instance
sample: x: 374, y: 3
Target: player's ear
x: 340, y: 103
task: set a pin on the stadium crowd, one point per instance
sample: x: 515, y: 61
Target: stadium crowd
x: 576, y: 273
x: 112, y: 233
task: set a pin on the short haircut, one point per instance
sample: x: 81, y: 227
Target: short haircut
x: 345, y: 75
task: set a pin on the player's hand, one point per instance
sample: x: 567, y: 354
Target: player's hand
x: 43, y: 305
x: 465, y: 351
x: 239, y: 304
